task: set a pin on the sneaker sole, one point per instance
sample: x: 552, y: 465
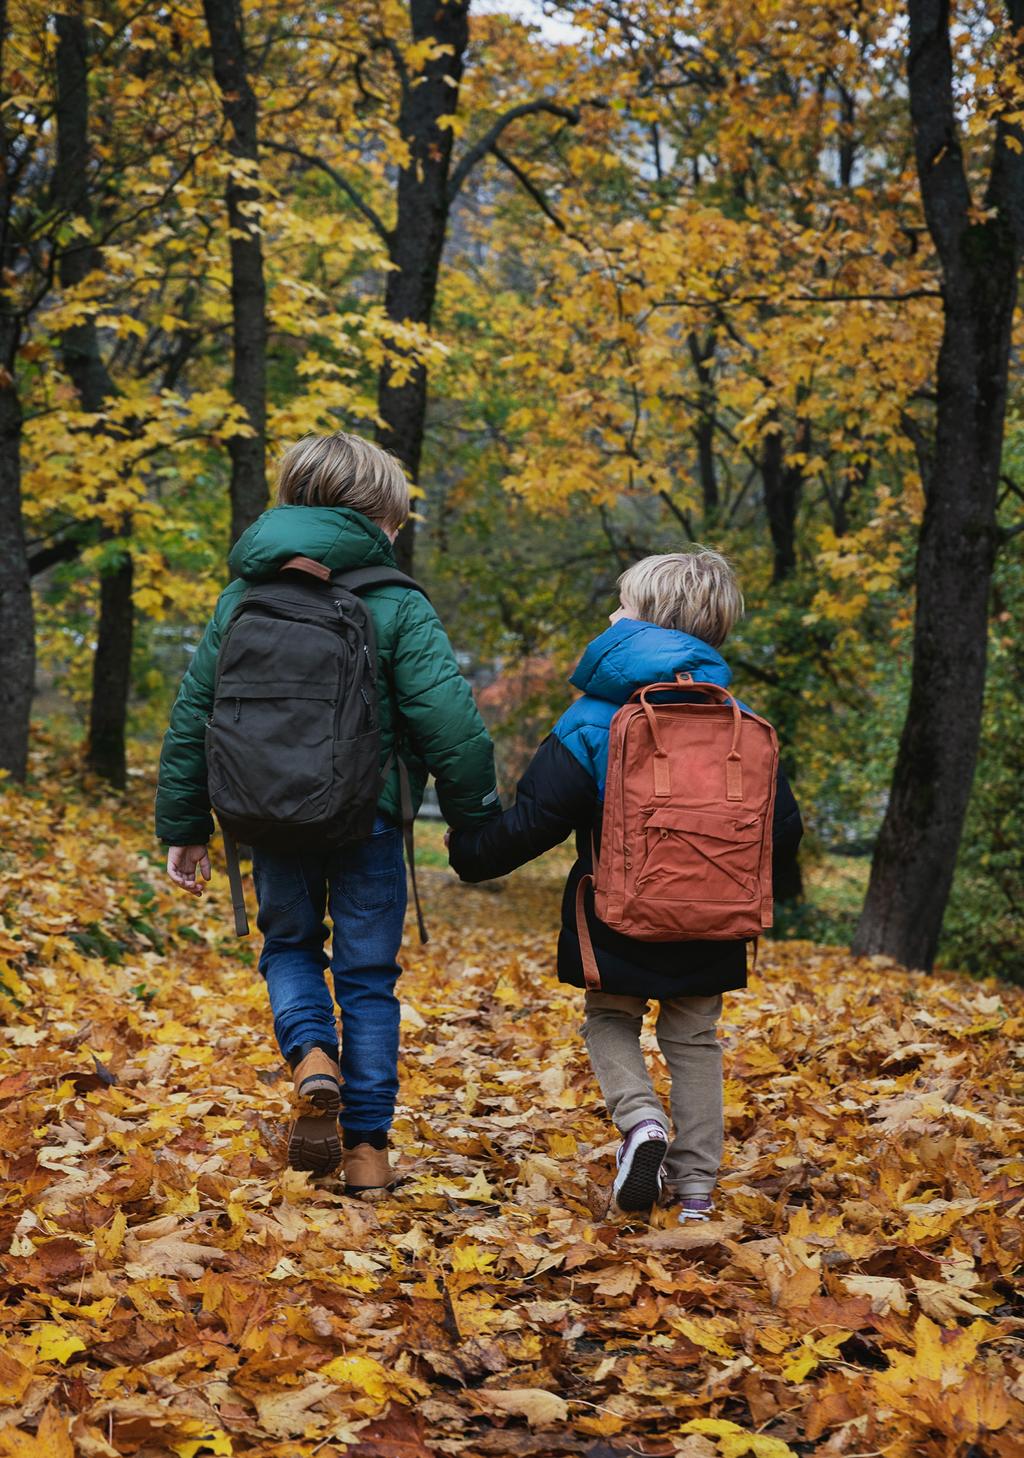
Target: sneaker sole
x: 314, y: 1143
x: 639, y: 1190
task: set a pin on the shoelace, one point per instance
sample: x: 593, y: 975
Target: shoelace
x: 695, y: 1210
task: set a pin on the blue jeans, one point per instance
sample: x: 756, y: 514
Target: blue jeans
x: 363, y: 885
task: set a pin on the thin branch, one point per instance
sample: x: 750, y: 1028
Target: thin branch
x: 336, y: 177
x: 737, y: 500
x: 726, y: 303
x: 531, y: 188
x: 764, y: 675
x: 397, y: 60
x: 681, y: 516
x: 487, y: 143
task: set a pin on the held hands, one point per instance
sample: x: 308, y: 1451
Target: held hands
x: 183, y: 863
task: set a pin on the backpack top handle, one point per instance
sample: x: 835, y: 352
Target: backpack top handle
x: 662, y: 769
x: 309, y: 566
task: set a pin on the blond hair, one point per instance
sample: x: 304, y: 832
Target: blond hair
x: 694, y: 592
x: 344, y: 470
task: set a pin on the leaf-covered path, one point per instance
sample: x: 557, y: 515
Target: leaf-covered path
x: 169, y: 1289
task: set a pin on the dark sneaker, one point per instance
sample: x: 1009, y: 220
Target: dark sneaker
x: 639, y: 1158
x: 314, y: 1142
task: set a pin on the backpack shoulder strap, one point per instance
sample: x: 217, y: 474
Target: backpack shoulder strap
x: 359, y: 579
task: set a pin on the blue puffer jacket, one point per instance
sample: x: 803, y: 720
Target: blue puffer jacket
x: 562, y: 792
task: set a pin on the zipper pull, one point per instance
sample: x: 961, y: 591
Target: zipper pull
x: 238, y: 710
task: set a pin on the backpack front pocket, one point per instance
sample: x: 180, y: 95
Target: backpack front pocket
x: 699, y: 855
x: 263, y: 768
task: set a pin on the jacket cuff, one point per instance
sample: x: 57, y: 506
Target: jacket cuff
x: 200, y: 832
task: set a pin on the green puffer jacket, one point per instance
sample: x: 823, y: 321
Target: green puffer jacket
x: 422, y: 693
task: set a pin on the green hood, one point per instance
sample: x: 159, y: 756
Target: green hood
x: 337, y: 536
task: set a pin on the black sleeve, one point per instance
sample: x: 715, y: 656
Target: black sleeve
x: 787, y: 829
x: 554, y: 797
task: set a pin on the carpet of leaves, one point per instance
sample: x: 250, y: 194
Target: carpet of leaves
x: 169, y: 1288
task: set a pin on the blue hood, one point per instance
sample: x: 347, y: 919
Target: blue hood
x: 629, y: 655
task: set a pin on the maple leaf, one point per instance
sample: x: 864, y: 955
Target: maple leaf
x: 52, y: 1438
x: 55, y: 1343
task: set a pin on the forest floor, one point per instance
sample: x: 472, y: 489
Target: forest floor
x: 169, y: 1288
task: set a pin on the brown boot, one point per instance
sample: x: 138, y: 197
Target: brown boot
x: 314, y: 1143
x: 367, y: 1170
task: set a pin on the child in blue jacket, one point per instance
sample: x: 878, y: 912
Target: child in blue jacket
x: 675, y: 611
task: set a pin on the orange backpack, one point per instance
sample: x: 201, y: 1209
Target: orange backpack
x: 686, y: 839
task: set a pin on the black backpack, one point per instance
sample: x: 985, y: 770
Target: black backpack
x: 293, y: 739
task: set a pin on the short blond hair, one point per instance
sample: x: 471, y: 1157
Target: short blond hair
x: 695, y: 592
x: 344, y: 470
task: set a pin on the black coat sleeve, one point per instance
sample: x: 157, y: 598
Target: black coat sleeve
x: 555, y: 796
x: 787, y: 830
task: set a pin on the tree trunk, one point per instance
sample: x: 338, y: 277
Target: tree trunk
x: 80, y: 352
x: 980, y: 254
x: 111, y: 671
x: 248, y: 289
x: 703, y: 356
x: 422, y: 218
x: 782, y: 488
x: 17, y: 618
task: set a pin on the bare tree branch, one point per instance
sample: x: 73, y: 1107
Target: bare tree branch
x: 372, y: 217
x: 487, y: 143
x: 530, y: 188
x: 809, y: 298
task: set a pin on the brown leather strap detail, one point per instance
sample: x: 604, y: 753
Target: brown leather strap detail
x: 662, y: 775
x: 307, y: 565
x: 591, y: 971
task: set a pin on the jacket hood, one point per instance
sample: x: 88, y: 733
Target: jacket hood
x: 629, y: 655
x: 337, y: 536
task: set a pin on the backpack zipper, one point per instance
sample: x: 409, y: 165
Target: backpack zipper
x: 365, y: 695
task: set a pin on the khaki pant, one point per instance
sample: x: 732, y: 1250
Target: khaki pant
x: 686, y: 1036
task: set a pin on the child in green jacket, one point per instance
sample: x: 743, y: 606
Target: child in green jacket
x: 341, y: 502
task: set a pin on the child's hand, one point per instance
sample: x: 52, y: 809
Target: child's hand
x: 447, y: 839
x: 183, y: 861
